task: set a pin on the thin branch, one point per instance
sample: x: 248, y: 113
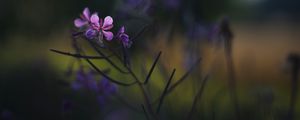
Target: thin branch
x: 197, y: 97
x: 75, y: 34
x: 183, y: 77
x: 145, y: 95
x: 178, y: 82
x: 139, y: 33
x: 120, y: 99
x: 76, y: 55
x: 145, y: 112
x: 106, y: 76
x: 106, y: 58
x: 152, y: 68
x: 165, y: 91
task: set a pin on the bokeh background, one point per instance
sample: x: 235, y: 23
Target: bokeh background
x: 33, y: 84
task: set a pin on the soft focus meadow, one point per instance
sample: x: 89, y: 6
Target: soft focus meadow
x: 149, y: 60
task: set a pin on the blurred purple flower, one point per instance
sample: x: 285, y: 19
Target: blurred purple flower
x: 66, y: 105
x: 119, y: 114
x: 197, y: 31
x: 6, y: 115
x: 106, y: 87
x: 172, y: 4
x: 101, y: 100
x: 84, y: 80
x: 133, y: 3
x: 78, y: 83
x: 124, y: 38
x: 141, y: 6
x: 91, y: 81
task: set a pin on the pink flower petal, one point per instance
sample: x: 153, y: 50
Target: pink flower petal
x: 108, y: 35
x: 79, y: 22
x: 95, y: 20
x: 108, y: 23
x: 86, y: 13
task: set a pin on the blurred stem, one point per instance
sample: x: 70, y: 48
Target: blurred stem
x: 165, y: 91
x: 295, y: 62
x: 197, y: 97
x: 140, y: 84
x: 117, y: 96
x: 232, y: 82
x: 178, y: 82
x: 145, y: 112
x: 226, y: 36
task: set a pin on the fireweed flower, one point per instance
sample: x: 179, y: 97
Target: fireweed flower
x: 102, y: 27
x: 94, y: 26
x: 123, y: 37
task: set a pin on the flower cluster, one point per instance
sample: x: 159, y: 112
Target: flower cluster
x: 97, y: 28
x: 86, y: 81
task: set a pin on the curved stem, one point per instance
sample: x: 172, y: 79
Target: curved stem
x: 77, y: 55
x: 106, y: 76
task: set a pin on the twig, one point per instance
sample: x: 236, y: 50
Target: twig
x: 294, y: 61
x: 106, y: 58
x: 165, y: 91
x: 152, y: 68
x: 178, y: 82
x: 184, y: 76
x: 76, y: 55
x: 145, y: 112
x: 126, y: 103
x: 106, y: 76
x: 197, y: 97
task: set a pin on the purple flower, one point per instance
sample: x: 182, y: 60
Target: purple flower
x: 103, y: 26
x: 123, y: 37
x: 84, y: 18
x: 95, y: 25
x: 172, y: 4
x: 91, y: 82
x: 6, y: 115
x: 67, y: 105
x: 101, y: 100
x: 84, y: 80
x: 106, y: 87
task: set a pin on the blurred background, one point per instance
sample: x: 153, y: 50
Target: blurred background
x: 34, y: 85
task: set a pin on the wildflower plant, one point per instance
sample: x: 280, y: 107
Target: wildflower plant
x: 98, y: 33
x: 112, y: 45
